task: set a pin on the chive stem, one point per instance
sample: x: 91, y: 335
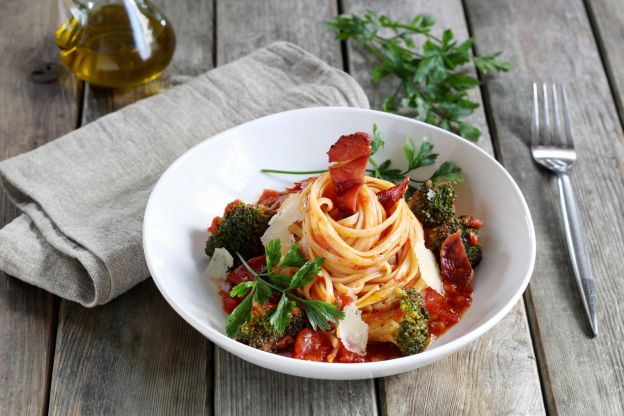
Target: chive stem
x: 294, y: 172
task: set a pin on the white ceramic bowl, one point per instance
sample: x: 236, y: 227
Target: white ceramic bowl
x: 227, y: 166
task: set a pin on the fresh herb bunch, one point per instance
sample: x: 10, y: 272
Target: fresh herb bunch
x: 416, y: 158
x: 432, y: 86
x: 261, y: 289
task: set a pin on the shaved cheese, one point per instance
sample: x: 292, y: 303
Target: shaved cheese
x: 219, y: 264
x: 352, y: 330
x: 287, y: 214
x: 429, y: 270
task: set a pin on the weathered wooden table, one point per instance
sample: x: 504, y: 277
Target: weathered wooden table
x: 136, y: 356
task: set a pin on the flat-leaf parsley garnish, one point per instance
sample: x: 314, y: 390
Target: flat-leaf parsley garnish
x: 432, y: 86
x: 280, y: 276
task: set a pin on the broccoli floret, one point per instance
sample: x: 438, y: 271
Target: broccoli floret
x: 433, y: 204
x: 469, y: 227
x: 407, y: 327
x: 260, y: 334
x: 240, y: 229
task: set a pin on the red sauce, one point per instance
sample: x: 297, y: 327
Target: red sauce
x: 377, y: 351
x: 446, y: 311
x: 273, y: 199
x: 343, y: 300
x: 312, y: 345
x: 236, y: 276
x: 215, y: 224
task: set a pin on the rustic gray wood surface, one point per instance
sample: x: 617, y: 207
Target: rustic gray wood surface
x: 579, y: 375
x: 606, y: 17
x: 30, y: 115
x: 136, y: 356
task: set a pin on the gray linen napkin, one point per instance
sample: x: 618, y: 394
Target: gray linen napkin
x: 83, y: 195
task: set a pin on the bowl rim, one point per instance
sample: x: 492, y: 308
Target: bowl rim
x: 356, y: 370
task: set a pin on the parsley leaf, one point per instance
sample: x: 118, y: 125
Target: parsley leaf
x: 432, y: 83
x: 447, y: 171
x: 273, y: 253
x: 377, y: 142
x: 424, y: 157
x: 294, y: 257
x: 263, y: 292
x: 306, y: 273
x: 241, y: 289
x: 320, y: 313
x: 238, y: 317
x: 281, y: 317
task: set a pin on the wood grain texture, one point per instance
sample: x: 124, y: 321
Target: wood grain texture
x: 30, y: 115
x: 245, y: 25
x: 135, y: 355
x: 132, y: 356
x: 607, y: 18
x: 240, y: 387
x: 479, y: 378
x: 553, y: 41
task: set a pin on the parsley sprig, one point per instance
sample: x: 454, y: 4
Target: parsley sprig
x: 276, y: 279
x: 416, y: 159
x: 432, y: 85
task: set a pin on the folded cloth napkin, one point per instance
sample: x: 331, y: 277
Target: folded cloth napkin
x: 83, y: 195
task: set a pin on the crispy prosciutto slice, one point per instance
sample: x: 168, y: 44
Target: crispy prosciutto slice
x: 388, y: 197
x: 454, y: 263
x: 351, y: 155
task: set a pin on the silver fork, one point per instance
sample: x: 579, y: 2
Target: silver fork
x: 553, y: 148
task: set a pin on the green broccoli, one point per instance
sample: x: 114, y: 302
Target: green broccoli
x: 260, y: 334
x: 469, y: 227
x: 407, y: 328
x: 239, y: 230
x: 433, y: 204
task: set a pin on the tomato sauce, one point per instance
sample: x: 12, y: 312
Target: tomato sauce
x: 375, y: 351
x: 446, y: 311
x: 312, y: 345
x: 236, y: 276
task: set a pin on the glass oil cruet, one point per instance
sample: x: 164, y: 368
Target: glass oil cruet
x: 113, y: 43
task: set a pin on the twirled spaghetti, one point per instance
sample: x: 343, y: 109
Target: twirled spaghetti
x: 368, y: 255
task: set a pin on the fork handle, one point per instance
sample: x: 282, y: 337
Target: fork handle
x: 576, y: 240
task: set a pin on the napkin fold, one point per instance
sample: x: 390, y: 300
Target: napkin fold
x: 83, y: 196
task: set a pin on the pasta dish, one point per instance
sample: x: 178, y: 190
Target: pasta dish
x: 346, y: 266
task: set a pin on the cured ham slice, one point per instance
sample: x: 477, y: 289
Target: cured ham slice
x: 351, y: 155
x: 350, y: 147
x: 454, y: 263
x: 387, y: 198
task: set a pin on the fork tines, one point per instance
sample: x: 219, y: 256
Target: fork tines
x: 545, y: 133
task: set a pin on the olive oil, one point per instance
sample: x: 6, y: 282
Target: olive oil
x: 117, y: 45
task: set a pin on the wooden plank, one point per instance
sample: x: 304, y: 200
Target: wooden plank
x: 242, y: 388
x: 496, y: 374
x: 246, y: 25
x: 553, y: 41
x: 607, y: 18
x: 241, y: 27
x: 135, y: 355
x: 30, y: 115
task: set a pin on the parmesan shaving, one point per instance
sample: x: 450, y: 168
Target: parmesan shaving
x: 429, y: 270
x: 287, y: 214
x: 220, y: 262
x: 352, y: 330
